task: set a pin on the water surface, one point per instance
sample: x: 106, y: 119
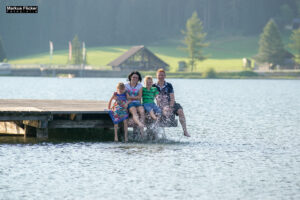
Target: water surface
x: 245, y: 144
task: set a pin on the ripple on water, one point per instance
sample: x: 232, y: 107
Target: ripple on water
x: 245, y: 144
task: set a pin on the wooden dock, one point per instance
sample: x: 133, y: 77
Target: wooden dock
x: 35, y: 117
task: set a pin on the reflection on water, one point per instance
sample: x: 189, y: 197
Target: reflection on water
x: 245, y: 144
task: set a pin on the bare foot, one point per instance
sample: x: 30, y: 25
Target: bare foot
x: 154, y: 124
x: 140, y: 124
x: 186, y: 134
x: 116, y: 140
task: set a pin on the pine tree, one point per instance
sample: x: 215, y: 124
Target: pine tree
x: 295, y: 44
x: 2, y: 52
x: 271, y: 49
x: 76, y: 51
x: 194, y: 40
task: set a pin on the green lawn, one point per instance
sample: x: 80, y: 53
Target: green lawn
x: 223, y: 54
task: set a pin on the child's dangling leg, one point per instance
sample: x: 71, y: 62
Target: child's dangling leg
x: 125, y: 130
x: 116, y: 133
x: 153, y: 115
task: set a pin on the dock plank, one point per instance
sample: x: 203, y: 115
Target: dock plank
x: 53, y: 106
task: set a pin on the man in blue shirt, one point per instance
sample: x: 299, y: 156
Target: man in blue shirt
x: 167, y: 99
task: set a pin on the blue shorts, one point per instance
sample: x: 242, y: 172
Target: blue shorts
x: 152, y: 106
x: 134, y: 104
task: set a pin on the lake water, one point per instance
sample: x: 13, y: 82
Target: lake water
x: 245, y: 144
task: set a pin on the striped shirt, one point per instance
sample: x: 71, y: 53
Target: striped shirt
x: 149, y: 95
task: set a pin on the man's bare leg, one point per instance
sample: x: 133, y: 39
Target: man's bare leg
x: 183, y: 122
x: 167, y: 112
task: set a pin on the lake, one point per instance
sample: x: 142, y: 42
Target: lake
x: 245, y: 144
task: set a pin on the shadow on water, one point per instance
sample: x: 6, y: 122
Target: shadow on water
x: 88, y: 135
x: 82, y: 135
x: 63, y: 136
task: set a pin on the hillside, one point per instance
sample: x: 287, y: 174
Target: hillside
x: 225, y: 54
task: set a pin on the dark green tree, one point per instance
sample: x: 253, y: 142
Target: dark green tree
x: 2, y: 52
x: 136, y: 21
x: 271, y: 49
x: 194, y: 40
x: 295, y: 44
x: 76, y: 51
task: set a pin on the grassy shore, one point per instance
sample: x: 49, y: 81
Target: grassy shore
x: 223, y: 54
x: 230, y: 75
x: 224, y: 57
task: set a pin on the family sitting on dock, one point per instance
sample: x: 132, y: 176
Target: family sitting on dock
x: 135, y: 99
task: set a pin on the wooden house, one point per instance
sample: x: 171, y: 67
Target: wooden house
x: 288, y: 64
x: 138, y: 58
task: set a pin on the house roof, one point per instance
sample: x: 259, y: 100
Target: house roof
x: 126, y: 55
x: 288, y: 54
x: 118, y: 61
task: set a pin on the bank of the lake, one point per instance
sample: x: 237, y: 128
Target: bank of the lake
x: 211, y: 73
x: 233, y: 75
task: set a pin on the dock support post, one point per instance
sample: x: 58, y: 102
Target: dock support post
x: 29, y: 131
x: 42, y: 133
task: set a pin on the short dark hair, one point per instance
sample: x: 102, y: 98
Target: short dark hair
x: 161, y: 70
x: 137, y: 73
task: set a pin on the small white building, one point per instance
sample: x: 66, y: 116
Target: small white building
x: 5, y: 68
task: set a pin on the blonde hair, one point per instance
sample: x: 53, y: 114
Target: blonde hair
x: 146, y: 78
x: 160, y: 70
x: 121, y: 86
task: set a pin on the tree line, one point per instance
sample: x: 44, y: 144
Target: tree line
x: 130, y: 22
x: 271, y: 48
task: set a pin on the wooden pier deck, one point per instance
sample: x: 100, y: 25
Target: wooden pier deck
x: 35, y: 117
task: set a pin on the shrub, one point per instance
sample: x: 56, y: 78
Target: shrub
x: 210, y: 73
